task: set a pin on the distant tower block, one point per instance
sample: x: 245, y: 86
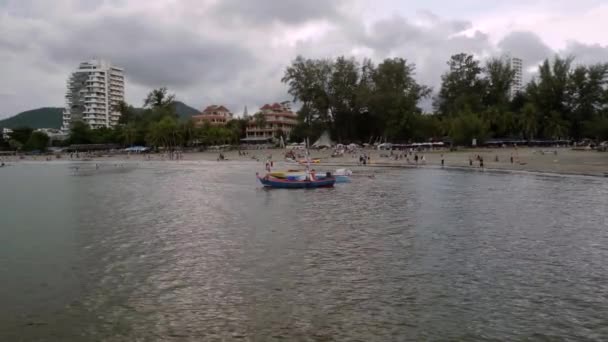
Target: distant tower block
x: 517, y: 85
x: 93, y: 92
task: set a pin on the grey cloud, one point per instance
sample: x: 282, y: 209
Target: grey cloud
x: 284, y: 11
x: 586, y: 54
x: 527, y: 46
x: 429, y: 45
x: 151, y: 55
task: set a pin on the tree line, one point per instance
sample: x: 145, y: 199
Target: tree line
x: 156, y: 125
x: 358, y: 101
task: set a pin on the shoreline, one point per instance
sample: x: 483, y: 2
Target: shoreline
x: 549, y: 161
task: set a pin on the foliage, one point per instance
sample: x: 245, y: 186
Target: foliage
x: 159, y: 98
x: 80, y: 133
x: 37, y: 141
x: 462, y: 87
x: 464, y: 127
x: 21, y: 135
x: 355, y: 100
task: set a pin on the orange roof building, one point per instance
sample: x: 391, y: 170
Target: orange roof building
x: 214, y: 115
x: 279, y: 118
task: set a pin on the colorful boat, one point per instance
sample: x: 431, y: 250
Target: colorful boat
x: 279, y: 183
x: 341, y: 175
x: 312, y: 161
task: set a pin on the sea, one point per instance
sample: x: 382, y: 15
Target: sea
x: 199, y: 251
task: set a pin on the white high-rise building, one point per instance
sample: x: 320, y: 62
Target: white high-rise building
x: 94, y: 90
x: 518, y: 83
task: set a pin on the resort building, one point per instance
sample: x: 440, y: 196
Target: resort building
x: 53, y: 133
x: 214, y: 115
x: 6, y: 133
x: 93, y: 91
x: 517, y: 85
x: 277, y: 118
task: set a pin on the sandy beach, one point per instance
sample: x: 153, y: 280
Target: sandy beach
x: 543, y: 160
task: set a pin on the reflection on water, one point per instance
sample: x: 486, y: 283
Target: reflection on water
x: 200, y: 252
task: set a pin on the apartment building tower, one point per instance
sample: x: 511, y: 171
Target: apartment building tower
x: 93, y: 91
x: 518, y: 84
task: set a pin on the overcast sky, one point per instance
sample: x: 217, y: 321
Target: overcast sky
x: 234, y: 52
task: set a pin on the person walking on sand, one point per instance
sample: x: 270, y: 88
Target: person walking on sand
x: 416, y: 158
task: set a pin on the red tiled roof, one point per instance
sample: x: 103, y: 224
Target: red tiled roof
x: 214, y: 108
x: 266, y: 106
x: 209, y: 108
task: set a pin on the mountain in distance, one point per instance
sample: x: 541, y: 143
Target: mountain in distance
x: 184, y: 111
x: 52, y: 117
x: 45, y: 117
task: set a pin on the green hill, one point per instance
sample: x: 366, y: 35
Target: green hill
x: 46, y: 117
x: 51, y: 117
x: 184, y: 111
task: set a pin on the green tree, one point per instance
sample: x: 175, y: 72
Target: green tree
x: 596, y: 128
x: 586, y: 96
x: 239, y: 126
x: 528, y: 121
x: 308, y: 83
x: 159, y: 98
x: 498, y: 77
x: 549, y: 92
x: 127, y: 112
x: 394, y: 98
x: 158, y: 104
x: 462, y: 87
x: 21, y: 135
x: 164, y: 133
x: 37, y: 141
x: 80, y: 133
x: 343, y: 105
x: 466, y: 126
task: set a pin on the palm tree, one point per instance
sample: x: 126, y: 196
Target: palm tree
x: 158, y: 98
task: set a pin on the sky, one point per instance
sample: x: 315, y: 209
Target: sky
x: 234, y: 52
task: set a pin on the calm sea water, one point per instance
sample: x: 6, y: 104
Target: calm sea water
x: 198, y: 251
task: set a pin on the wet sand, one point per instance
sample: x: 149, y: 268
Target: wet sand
x: 544, y: 160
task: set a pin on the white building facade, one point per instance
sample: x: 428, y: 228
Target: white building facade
x: 518, y: 83
x: 93, y: 92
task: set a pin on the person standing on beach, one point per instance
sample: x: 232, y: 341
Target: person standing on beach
x: 481, y: 162
x: 416, y: 158
x: 470, y: 161
x: 442, y: 161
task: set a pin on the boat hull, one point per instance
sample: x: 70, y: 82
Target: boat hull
x: 296, y: 175
x: 278, y: 183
